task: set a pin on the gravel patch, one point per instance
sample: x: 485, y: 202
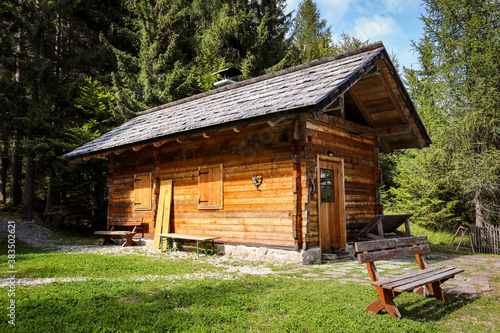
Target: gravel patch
x: 30, y: 232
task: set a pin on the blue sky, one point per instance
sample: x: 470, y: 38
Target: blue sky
x: 394, y: 22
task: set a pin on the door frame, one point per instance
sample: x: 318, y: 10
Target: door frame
x: 341, y: 196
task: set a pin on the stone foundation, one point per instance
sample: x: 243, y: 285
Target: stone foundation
x: 277, y: 256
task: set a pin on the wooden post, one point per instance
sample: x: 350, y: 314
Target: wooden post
x: 296, y: 185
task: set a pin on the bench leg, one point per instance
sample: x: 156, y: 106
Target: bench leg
x: 106, y: 240
x: 434, y: 289
x: 385, y: 301
x: 128, y: 240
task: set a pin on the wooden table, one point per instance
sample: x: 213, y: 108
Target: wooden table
x: 170, y: 238
x: 130, y: 222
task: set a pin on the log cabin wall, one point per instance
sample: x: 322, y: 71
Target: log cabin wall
x: 123, y: 171
x: 248, y: 215
x: 358, y: 147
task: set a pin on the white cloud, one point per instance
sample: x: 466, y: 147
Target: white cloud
x: 333, y: 10
x: 375, y: 27
x: 396, y: 6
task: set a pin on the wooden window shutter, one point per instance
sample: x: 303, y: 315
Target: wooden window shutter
x: 142, y: 191
x: 210, y: 187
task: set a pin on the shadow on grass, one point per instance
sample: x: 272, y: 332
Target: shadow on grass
x: 419, y: 308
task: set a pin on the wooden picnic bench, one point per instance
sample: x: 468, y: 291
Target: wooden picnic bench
x: 427, y: 280
x: 384, y: 225
x: 170, y: 238
x: 130, y: 222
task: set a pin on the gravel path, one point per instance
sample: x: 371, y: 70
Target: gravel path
x: 30, y: 232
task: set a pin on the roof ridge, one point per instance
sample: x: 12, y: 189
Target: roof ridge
x: 260, y: 78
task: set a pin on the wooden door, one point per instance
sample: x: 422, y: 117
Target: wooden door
x: 331, y: 203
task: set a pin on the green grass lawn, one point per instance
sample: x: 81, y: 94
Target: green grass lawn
x: 144, y: 292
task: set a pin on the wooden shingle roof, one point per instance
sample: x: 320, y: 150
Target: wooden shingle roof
x: 310, y: 87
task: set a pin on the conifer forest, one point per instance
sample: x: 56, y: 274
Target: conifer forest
x: 72, y: 70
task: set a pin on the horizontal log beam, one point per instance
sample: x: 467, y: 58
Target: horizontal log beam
x: 393, y: 130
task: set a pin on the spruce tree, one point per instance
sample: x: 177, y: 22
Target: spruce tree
x: 312, y: 37
x: 457, y: 93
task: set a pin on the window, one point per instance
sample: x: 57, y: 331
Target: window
x: 142, y: 191
x: 327, y: 185
x: 210, y: 187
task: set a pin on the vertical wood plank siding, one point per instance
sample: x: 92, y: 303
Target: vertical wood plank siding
x: 260, y: 216
x: 361, y: 167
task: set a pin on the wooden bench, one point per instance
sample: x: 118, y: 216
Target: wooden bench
x: 130, y: 222
x: 424, y: 281
x: 170, y: 238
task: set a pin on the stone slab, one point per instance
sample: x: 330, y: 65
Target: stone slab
x: 311, y: 275
x: 480, y: 281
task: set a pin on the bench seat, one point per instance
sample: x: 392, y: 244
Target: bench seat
x: 408, y: 282
x: 198, y: 239
x: 114, y: 233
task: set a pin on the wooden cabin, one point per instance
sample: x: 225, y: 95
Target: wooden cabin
x: 285, y: 160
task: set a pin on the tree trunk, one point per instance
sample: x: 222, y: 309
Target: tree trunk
x: 49, y: 203
x: 4, y: 165
x: 29, y: 188
x: 15, y: 193
x: 478, y: 204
